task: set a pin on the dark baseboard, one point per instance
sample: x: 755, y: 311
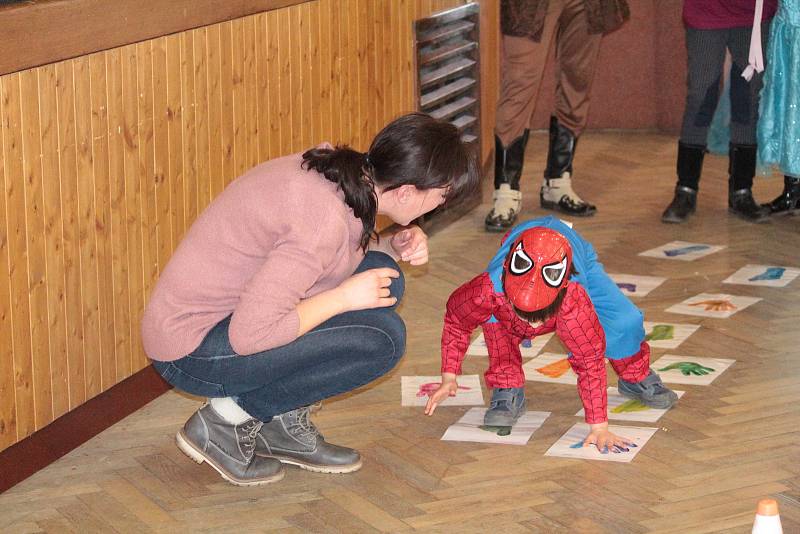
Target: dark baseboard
x: 74, y: 428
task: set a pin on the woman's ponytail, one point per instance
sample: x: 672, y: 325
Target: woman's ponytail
x: 351, y: 171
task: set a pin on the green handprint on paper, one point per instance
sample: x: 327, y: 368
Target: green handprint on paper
x: 499, y: 430
x: 661, y: 332
x: 632, y: 405
x: 689, y: 368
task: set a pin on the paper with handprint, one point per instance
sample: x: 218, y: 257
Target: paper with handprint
x: 550, y: 367
x: 682, y: 250
x: 718, y: 305
x: 633, y: 285
x: 570, y: 445
x: 763, y: 275
x: 471, y: 428
x: 667, y: 335
x: 416, y: 389
x: 624, y: 409
x: 528, y: 348
x: 674, y: 369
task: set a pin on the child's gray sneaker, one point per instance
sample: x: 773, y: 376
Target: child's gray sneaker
x: 228, y: 448
x: 293, y: 439
x: 507, y: 405
x: 651, y: 391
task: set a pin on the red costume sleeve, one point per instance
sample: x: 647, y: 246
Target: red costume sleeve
x: 468, y: 307
x: 579, y: 330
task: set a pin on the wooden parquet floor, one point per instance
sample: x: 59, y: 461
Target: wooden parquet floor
x: 721, y: 449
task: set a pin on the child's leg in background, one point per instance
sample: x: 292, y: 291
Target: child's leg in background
x: 505, y: 359
x: 634, y: 368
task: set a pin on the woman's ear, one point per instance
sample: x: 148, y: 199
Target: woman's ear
x: 404, y: 193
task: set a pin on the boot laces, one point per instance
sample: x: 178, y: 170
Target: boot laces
x: 303, y: 428
x: 251, y: 429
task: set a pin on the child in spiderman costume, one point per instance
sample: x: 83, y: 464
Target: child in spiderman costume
x: 545, y: 277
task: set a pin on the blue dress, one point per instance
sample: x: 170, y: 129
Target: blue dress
x: 621, y: 320
x: 779, y: 122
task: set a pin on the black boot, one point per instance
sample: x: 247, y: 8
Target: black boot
x: 741, y: 170
x: 507, y: 173
x: 688, y: 168
x: 788, y: 202
x: 557, y: 193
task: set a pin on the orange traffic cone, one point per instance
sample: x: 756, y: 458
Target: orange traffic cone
x: 768, y: 521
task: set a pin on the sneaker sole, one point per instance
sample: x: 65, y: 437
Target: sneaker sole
x: 503, y: 422
x: 673, y: 400
x: 315, y: 468
x: 546, y: 204
x: 198, y: 456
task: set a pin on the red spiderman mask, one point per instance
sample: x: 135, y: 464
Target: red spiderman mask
x: 536, y: 268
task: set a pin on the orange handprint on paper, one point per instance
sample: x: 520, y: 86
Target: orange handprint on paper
x: 555, y: 369
x: 715, y: 305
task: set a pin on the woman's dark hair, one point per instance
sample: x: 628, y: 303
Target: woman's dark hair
x: 540, y: 316
x: 414, y: 149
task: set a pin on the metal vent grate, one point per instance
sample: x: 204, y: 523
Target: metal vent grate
x: 448, y: 66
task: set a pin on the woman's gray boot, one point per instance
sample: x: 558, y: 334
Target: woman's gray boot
x: 293, y: 439
x: 228, y: 448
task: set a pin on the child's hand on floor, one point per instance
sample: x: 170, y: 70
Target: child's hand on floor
x: 448, y: 388
x: 605, y: 441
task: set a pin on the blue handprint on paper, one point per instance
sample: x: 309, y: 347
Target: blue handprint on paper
x: 630, y: 288
x: 685, y: 250
x: 772, y: 273
x: 526, y: 343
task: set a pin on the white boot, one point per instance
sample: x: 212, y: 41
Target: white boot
x: 507, y: 204
x: 557, y: 194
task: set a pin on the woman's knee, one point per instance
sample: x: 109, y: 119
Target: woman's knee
x: 379, y: 260
x: 384, y: 339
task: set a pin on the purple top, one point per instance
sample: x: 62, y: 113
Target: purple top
x: 721, y: 14
x: 275, y: 235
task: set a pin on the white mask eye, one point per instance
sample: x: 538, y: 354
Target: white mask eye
x: 554, y: 274
x: 520, y: 262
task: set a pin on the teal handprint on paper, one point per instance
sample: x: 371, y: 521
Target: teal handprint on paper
x: 689, y: 368
x: 772, y: 273
x: 684, y: 250
x: 661, y: 332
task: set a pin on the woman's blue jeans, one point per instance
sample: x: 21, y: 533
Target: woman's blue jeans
x: 343, y: 353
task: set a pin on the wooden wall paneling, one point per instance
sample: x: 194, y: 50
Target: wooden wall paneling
x: 297, y: 111
x: 120, y: 261
x: 174, y: 120
x: 336, y: 74
x: 147, y: 169
x: 327, y: 53
x: 366, y: 75
x: 102, y: 217
x: 53, y: 236
x: 216, y: 142
x: 285, y: 79
x: 262, y: 85
x: 201, y: 117
x: 34, y: 233
x: 87, y: 227
x: 251, y: 93
x: 228, y: 117
x: 273, y: 19
x: 238, y: 98
x: 133, y: 202
x: 312, y: 13
x: 73, y: 295
x: 163, y: 218
x: 189, y: 130
x: 8, y: 401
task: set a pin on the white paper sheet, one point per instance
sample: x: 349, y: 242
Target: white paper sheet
x: 763, y: 275
x: 675, y: 369
x: 664, y: 335
x: 633, y: 285
x: 550, y: 367
x: 624, y: 409
x: 416, y: 389
x: 682, y: 251
x: 717, y: 305
x: 470, y: 428
x: 570, y: 444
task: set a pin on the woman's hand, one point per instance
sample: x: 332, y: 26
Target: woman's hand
x: 448, y: 388
x: 606, y: 441
x: 368, y: 289
x: 411, y: 245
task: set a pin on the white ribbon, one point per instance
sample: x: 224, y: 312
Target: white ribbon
x: 756, y: 58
